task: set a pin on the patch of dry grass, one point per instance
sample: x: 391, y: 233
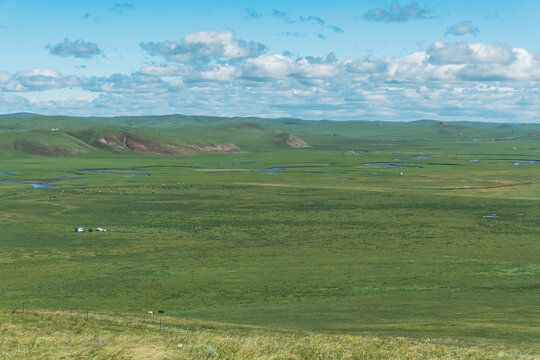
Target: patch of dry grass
x: 68, y: 335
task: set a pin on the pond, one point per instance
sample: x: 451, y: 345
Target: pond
x: 41, y: 186
x: 385, y: 165
x: 272, y: 169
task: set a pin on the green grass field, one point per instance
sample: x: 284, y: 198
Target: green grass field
x: 326, y: 239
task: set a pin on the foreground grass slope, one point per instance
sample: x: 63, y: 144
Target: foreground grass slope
x: 68, y: 335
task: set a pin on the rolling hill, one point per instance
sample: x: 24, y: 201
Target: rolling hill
x: 56, y: 136
x: 261, y: 132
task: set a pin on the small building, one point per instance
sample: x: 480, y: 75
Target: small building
x: 79, y: 229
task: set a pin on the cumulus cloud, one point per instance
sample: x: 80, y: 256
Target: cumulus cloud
x: 463, y: 53
x: 267, y: 67
x: 397, y: 13
x: 122, y: 83
x: 162, y: 70
x: 202, y: 46
x: 78, y: 48
x: 462, y: 28
x: 525, y: 66
x: 441, y: 62
x: 447, y: 81
x: 365, y: 66
x: 36, y: 80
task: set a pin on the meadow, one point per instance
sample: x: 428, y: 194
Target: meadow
x: 433, y: 238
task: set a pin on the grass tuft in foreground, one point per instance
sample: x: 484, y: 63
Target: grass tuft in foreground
x: 68, y: 335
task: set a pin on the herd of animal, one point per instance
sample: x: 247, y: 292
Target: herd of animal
x: 159, y: 312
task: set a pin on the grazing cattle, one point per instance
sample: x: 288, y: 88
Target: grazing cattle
x: 161, y: 312
x: 150, y: 313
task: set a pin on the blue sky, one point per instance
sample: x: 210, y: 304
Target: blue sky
x: 374, y: 60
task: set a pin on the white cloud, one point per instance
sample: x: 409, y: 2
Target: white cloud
x: 120, y: 83
x: 463, y: 53
x: 219, y: 72
x: 267, y: 67
x: 461, y: 81
x: 202, y: 46
x: 462, y: 28
x: 36, y: 79
x: 164, y: 70
x: 78, y: 48
x: 524, y: 67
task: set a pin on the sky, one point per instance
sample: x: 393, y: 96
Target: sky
x: 339, y: 60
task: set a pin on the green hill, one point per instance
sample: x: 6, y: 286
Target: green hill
x: 23, y: 121
x: 158, y: 141
x: 42, y: 143
x: 122, y: 140
x: 252, y: 131
x: 246, y: 135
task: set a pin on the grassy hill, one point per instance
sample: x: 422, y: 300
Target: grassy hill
x: 247, y: 135
x: 82, y: 139
x: 42, y: 143
x: 23, y: 121
x: 68, y: 335
x: 222, y: 128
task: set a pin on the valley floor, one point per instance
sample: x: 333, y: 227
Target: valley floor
x: 348, y: 249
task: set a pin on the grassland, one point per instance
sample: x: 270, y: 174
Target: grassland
x: 315, y: 242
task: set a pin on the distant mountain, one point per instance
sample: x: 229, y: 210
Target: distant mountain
x: 15, y: 115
